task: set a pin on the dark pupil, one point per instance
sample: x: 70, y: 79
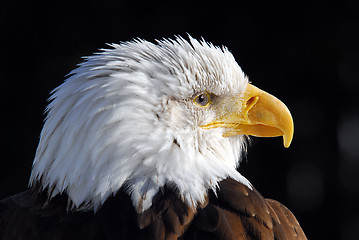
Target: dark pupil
x: 201, y: 98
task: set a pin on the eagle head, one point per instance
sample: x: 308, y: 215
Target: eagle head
x: 141, y: 116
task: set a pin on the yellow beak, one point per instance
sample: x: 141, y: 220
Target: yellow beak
x: 255, y: 113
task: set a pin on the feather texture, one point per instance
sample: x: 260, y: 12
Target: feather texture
x: 128, y: 118
x: 25, y: 216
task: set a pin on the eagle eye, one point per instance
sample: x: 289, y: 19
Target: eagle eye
x: 202, y: 100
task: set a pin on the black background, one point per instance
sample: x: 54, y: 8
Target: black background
x: 305, y: 53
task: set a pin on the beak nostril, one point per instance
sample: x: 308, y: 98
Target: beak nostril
x: 250, y: 102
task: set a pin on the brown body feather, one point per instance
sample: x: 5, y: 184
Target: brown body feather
x: 236, y: 212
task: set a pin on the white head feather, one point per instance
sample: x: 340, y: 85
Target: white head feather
x: 126, y: 118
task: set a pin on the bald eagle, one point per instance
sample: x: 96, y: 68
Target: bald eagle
x: 143, y: 141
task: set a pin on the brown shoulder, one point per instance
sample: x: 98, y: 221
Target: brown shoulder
x: 237, y: 212
x: 285, y: 223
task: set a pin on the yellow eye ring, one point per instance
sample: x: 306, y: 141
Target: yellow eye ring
x: 202, y: 99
